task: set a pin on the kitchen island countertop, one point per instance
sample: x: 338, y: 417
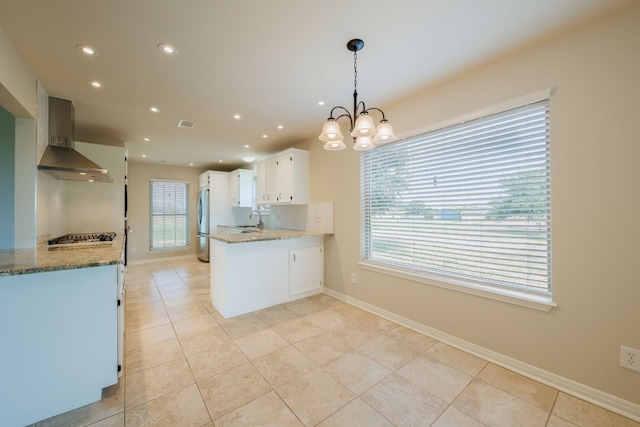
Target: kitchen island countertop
x: 262, y: 235
x: 40, y: 259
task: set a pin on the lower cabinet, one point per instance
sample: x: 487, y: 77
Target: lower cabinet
x: 250, y: 276
x: 305, y: 270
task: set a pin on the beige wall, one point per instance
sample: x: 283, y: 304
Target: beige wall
x: 595, y: 150
x: 139, y: 174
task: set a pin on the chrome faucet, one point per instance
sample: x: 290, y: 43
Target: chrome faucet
x: 260, y: 223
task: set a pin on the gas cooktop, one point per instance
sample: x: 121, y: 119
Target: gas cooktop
x: 83, y: 238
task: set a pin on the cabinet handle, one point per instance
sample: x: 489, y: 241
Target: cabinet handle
x: 294, y: 257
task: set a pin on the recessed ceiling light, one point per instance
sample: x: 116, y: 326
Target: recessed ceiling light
x: 280, y: 126
x: 147, y: 139
x: 87, y: 50
x: 144, y: 155
x: 167, y: 49
x: 95, y: 83
x: 219, y: 161
x: 247, y: 146
x: 190, y: 164
x: 265, y: 136
x: 320, y: 103
x: 154, y: 109
x: 236, y: 116
x: 247, y: 158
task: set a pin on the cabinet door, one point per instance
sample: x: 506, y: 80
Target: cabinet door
x: 234, y: 188
x: 285, y: 182
x: 305, y: 270
x: 272, y: 182
x: 261, y: 184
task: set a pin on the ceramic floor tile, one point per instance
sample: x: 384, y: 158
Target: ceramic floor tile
x: 356, y: 414
x: 404, y: 403
x: 181, y: 302
x: 241, y: 326
x: 283, y: 365
x: 559, y: 422
x: 203, y: 340
x: 152, y: 383
x: 375, y: 324
x: 266, y: 411
x: 152, y: 355
x: 436, y: 377
x: 276, y: 315
x: 335, y: 315
x: 306, y: 306
x: 585, y: 414
x: 193, y: 325
x: 389, y: 352
x: 324, y: 347
x: 497, y: 408
x: 355, y: 334
x: 230, y: 390
x: 411, y: 338
x: 453, y: 417
x: 210, y: 362
x: 314, y: 396
x: 296, y: 330
x: 261, y: 343
x: 183, y: 407
x: 528, y: 390
x: 148, y: 319
x: 462, y: 361
x: 138, y: 340
x: 356, y: 371
x: 182, y: 313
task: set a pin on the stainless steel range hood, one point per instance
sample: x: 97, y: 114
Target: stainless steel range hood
x: 60, y: 159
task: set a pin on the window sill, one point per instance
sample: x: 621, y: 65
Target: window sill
x: 533, y: 301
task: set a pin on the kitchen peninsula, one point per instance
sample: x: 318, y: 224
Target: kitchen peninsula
x: 59, y: 322
x: 255, y: 269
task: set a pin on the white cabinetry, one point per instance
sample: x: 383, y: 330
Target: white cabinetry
x: 59, y: 347
x: 283, y: 178
x: 251, y: 276
x: 305, y: 270
x: 241, y: 188
x: 203, y: 180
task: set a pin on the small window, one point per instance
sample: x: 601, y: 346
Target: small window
x: 168, y: 214
x: 467, y: 204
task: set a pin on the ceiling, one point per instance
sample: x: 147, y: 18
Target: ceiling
x: 271, y: 62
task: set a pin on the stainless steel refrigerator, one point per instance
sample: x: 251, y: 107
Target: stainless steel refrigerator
x: 202, y: 213
x: 214, y: 208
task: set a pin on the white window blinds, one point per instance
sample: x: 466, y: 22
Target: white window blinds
x: 469, y: 202
x: 168, y: 214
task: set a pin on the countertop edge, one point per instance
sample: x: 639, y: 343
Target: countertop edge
x: 262, y: 236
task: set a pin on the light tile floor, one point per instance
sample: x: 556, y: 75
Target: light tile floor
x: 311, y: 362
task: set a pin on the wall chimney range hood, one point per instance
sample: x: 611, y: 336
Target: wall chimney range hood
x: 60, y: 159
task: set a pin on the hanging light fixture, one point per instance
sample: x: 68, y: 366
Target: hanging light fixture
x: 366, y: 135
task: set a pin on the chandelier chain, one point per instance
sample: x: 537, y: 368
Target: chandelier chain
x: 355, y: 71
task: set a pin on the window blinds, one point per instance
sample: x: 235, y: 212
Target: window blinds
x: 168, y: 214
x: 469, y: 202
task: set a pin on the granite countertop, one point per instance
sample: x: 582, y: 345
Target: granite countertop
x: 41, y: 259
x: 260, y: 236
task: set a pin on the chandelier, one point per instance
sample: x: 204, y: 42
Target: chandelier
x: 366, y: 135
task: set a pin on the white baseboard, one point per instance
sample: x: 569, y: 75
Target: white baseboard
x: 581, y: 391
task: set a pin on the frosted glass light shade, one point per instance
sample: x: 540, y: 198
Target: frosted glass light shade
x: 384, y: 133
x: 363, y: 143
x: 364, y: 126
x: 331, y: 131
x: 335, y: 145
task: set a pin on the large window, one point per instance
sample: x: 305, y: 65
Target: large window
x: 467, y: 204
x: 168, y: 214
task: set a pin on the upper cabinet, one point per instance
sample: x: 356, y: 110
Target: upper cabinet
x: 241, y: 188
x: 203, y: 180
x: 283, y: 178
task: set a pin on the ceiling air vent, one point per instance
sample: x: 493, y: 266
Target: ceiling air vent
x: 186, y: 124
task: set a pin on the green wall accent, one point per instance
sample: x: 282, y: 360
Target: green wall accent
x: 7, y: 178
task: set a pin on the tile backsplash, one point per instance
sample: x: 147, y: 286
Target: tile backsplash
x: 317, y: 217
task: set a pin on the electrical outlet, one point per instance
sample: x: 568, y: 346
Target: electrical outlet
x: 353, y: 279
x: 630, y: 358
